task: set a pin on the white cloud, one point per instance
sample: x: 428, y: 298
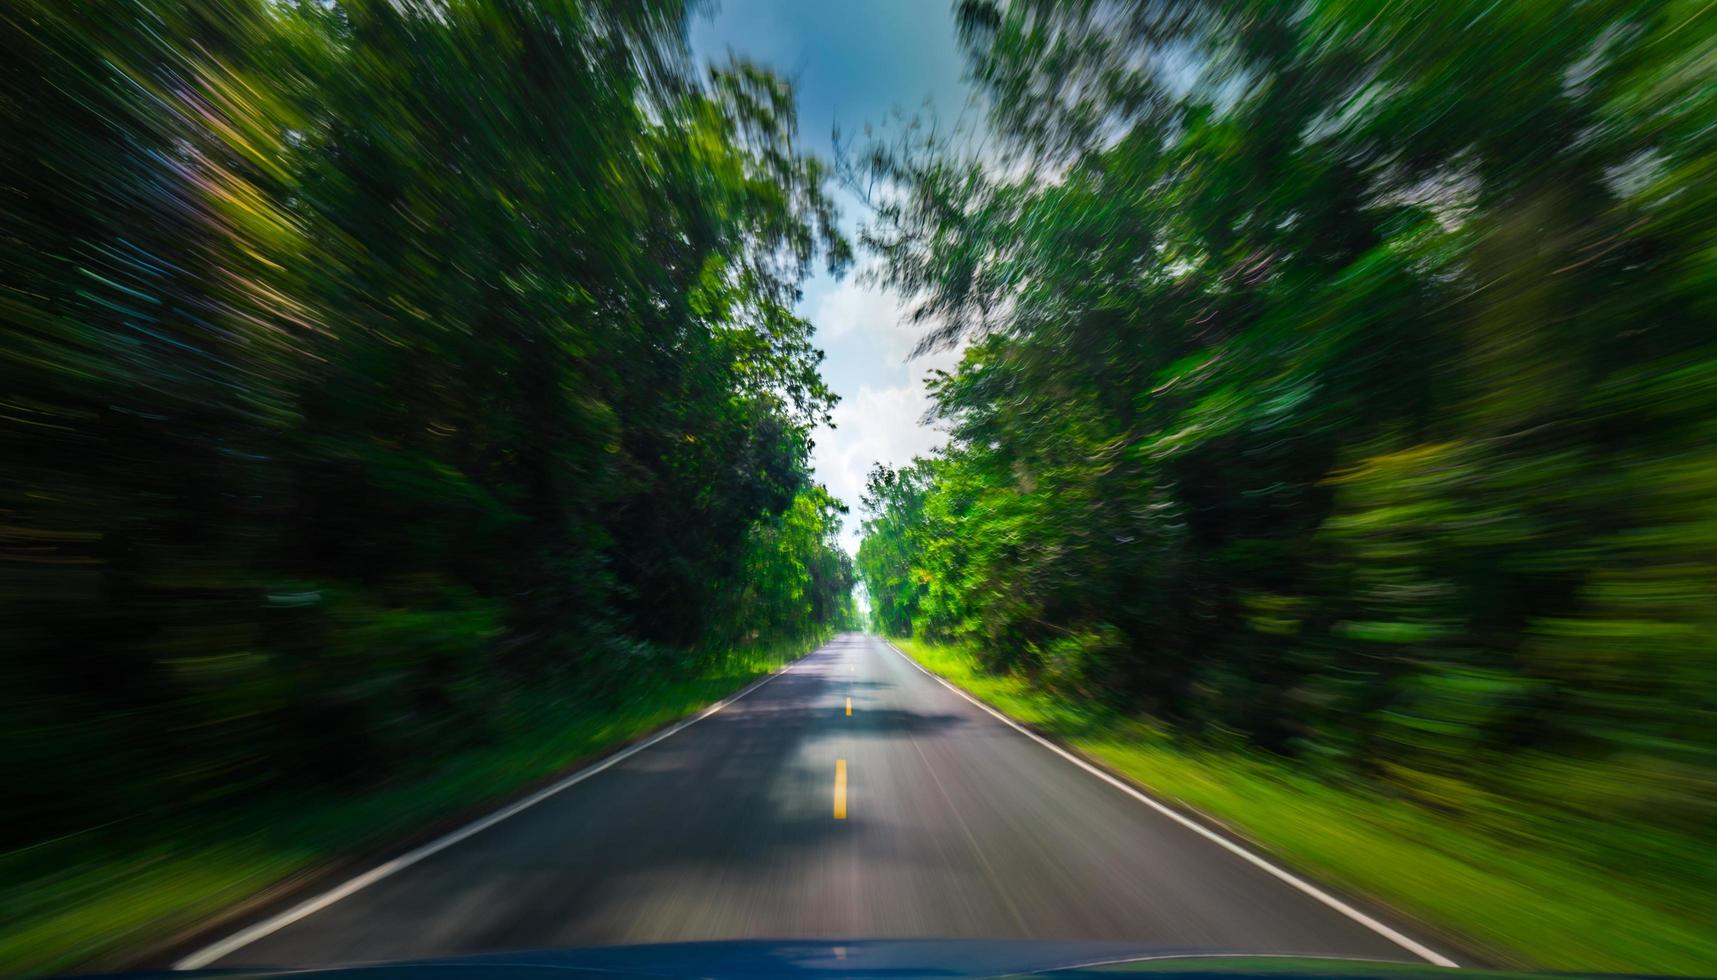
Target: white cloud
x: 876, y: 425
x: 868, y: 337
x: 853, y: 312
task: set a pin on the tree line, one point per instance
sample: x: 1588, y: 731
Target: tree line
x: 368, y: 362
x: 1339, y: 381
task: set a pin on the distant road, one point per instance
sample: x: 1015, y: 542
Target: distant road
x: 783, y: 816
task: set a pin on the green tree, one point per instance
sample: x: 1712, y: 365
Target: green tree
x: 1335, y: 379
x: 367, y: 362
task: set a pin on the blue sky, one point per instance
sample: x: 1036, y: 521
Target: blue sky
x: 853, y: 62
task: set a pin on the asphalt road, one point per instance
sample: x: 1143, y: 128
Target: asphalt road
x: 955, y: 826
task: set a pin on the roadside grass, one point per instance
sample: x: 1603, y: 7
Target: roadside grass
x: 1510, y: 890
x: 97, y: 902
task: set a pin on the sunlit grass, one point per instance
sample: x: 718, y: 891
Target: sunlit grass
x: 1506, y: 890
x: 94, y: 902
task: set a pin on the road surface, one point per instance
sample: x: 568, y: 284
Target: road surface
x: 955, y: 825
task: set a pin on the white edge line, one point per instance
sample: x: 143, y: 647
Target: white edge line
x: 244, y: 937
x: 1393, y: 935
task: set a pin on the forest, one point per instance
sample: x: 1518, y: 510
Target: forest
x: 1338, y: 381
x: 371, y: 370
x: 406, y: 401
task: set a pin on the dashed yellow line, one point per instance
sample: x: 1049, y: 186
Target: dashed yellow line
x: 840, y: 789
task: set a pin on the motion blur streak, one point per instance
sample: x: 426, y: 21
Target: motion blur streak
x: 405, y: 400
x: 383, y: 383
x: 1341, y: 395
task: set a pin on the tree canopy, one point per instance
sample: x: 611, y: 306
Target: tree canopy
x: 1338, y: 377
x: 367, y: 361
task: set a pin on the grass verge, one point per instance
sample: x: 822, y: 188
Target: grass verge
x: 1509, y: 890
x: 101, y: 901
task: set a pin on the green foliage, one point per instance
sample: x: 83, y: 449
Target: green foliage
x: 796, y: 579
x: 103, y: 898
x: 1337, y: 382
x: 1519, y: 887
x: 367, y: 362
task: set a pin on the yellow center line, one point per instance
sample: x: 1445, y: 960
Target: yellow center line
x: 849, y: 707
x: 840, y: 789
